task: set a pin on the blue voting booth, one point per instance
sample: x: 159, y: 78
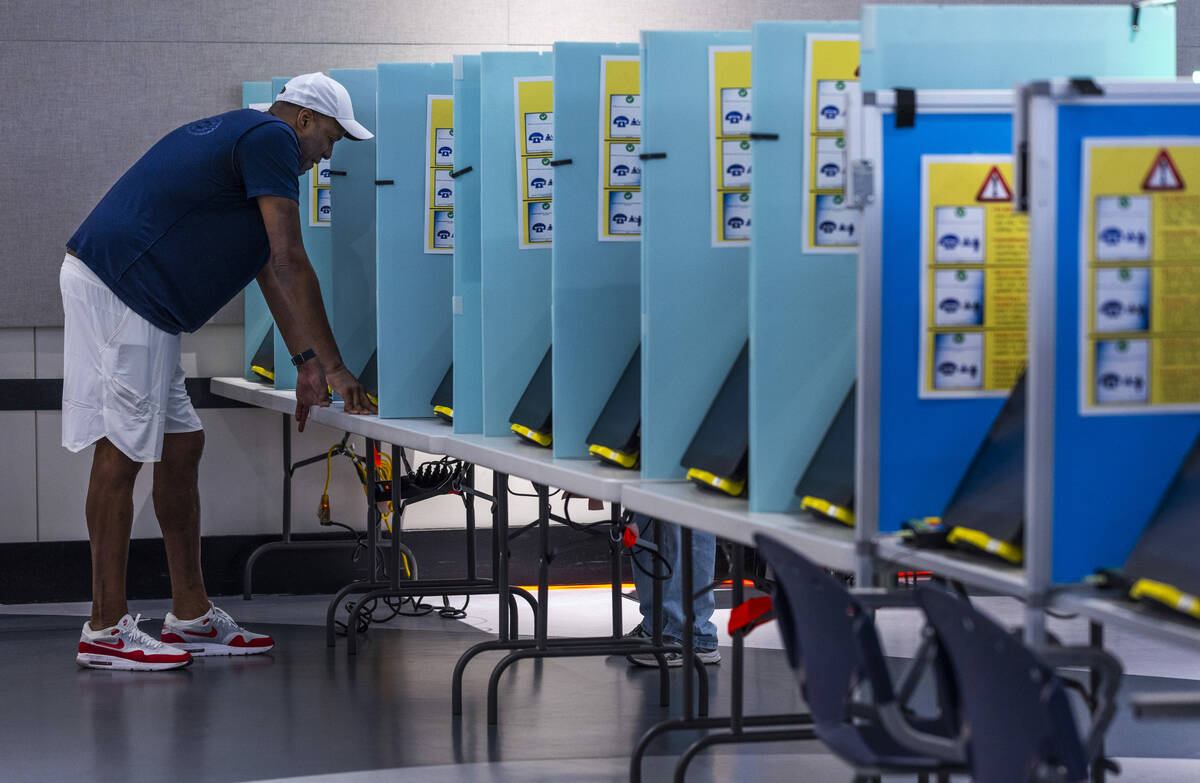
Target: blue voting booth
x: 1113, y: 451
x: 465, y: 304
x: 596, y: 282
x: 802, y: 307
x: 413, y: 320
x: 917, y: 447
x: 924, y: 445
x: 352, y: 231
x: 514, y: 282
x: 694, y: 294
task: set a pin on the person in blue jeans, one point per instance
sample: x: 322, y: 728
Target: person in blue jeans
x: 704, y: 558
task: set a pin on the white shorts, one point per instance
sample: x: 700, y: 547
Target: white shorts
x: 122, y: 376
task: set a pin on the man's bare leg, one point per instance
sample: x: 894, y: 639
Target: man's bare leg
x: 109, y: 512
x: 177, y: 506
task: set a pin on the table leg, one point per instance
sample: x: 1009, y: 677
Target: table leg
x: 614, y: 558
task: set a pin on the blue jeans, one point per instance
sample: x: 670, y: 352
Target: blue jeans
x: 704, y: 563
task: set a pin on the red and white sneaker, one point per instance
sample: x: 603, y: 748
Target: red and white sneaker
x: 125, y: 646
x: 213, y: 633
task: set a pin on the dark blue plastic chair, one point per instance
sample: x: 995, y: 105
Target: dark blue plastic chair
x: 829, y: 636
x: 1015, y: 711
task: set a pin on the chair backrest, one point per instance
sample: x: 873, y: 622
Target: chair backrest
x: 1014, y: 709
x: 817, y: 617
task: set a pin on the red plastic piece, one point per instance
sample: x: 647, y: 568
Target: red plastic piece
x: 750, y: 614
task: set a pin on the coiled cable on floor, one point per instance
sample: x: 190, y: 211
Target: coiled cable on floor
x: 381, y: 610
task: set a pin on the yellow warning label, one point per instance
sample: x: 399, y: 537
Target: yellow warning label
x: 974, y: 267
x: 1140, y: 274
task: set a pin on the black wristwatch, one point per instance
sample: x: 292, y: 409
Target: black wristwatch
x: 303, y: 357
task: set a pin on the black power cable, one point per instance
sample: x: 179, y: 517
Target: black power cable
x: 429, y: 475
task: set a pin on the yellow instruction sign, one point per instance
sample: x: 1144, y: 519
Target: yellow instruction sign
x: 534, y: 102
x: 620, y: 218
x: 1139, y: 275
x: 439, y: 163
x: 729, y: 121
x: 831, y: 225
x: 974, y: 269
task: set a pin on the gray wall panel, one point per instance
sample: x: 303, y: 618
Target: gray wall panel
x: 1189, y: 57
x: 18, y: 477
x: 270, y: 21
x: 17, y: 354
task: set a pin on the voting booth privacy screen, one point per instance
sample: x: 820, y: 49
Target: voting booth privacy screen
x: 1120, y: 236
x: 790, y: 264
x: 945, y: 273
x: 414, y: 234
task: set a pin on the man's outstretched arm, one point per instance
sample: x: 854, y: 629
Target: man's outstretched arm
x: 290, y: 286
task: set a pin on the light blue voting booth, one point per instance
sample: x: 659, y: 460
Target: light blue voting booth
x: 257, y: 318
x: 319, y: 247
x: 1111, y: 461
x: 596, y: 314
x: 515, y: 283
x: 802, y: 306
x: 694, y: 295
x: 468, y: 327
x: 972, y: 47
x: 352, y: 170
x: 917, y: 449
x: 413, y: 287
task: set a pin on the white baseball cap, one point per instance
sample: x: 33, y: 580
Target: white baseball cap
x: 318, y: 92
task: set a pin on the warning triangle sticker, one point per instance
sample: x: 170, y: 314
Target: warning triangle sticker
x: 994, y: 187
x: 1163, y: 175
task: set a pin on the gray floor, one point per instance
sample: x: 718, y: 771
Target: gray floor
x: 308, y: 712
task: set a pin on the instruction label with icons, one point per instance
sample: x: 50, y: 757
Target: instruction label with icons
x: 974, y: 269
x: 730, y: 120
x: 624, y: 212
x: 831, y: 62
x: 534, y: 102
x: 322, y: 200
x: 319, y: 201
x: 620, y: 213
x: 439, y: 185
x: 1139, y: 276
x: 539, y: 178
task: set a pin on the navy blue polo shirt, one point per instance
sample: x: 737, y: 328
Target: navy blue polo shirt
x: 180, y: 234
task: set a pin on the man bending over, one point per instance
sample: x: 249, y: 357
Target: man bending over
x: 210, y: 207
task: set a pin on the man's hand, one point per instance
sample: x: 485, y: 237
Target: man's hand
x: 350, y: 390
x: 311, y: 389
